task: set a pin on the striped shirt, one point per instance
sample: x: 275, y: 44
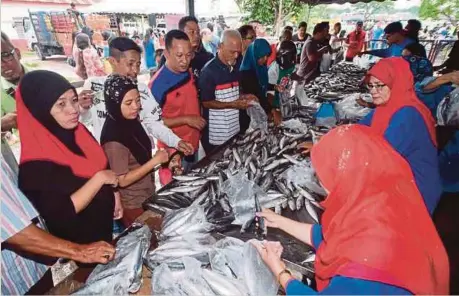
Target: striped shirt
x: 18, y: 274
x: 220, y: 83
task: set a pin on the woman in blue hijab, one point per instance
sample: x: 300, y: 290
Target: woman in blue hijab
x: 422, y: 70
x: 254, y: 76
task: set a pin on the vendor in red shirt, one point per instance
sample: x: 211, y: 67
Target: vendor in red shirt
x: 356, y: 42
x: 175, y: 91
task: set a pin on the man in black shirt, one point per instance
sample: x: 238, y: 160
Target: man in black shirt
x: 452, y: 63
x: 300, y: 38
x: 189, y: 25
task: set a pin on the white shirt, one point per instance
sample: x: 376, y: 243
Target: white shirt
x: 150, y: 114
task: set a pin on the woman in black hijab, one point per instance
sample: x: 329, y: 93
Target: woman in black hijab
x: 127, y: 145
x: 63, y: 170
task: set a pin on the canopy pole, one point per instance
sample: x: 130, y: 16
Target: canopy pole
x: 309, y: 12
x: 142, y: 24
x: 189, y: 7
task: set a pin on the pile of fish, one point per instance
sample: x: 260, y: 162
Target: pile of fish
x: 265, y: 157
x: 234, y: 268
x: 342, y: 78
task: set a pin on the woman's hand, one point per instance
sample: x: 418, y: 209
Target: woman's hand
x: 108, y: 177
x: 118, y: 212
x: 272, y: 219
x: 306, y: 147
x: 271, y: 253
x: 161, y: 156
x: 185, y: 147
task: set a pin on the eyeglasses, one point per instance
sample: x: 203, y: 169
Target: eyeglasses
x: 8, y: 56
x: 378, y: 87
x: 249, y: 38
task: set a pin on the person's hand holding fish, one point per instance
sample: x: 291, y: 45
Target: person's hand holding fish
x: 98, y: 252
x: 306, y: 146
x: 272, y: 219
x: 185, y: 147
x: 271, y: 253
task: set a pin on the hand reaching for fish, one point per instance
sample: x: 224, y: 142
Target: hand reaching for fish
x: 306, y: 146
x: 272, y: 219
x: 185, y: 147
x: 98, y: 252
x: 271, y: 253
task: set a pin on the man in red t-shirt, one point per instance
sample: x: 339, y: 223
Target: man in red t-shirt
x: 356, y: 42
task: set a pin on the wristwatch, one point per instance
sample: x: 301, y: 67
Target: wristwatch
x: 282, y: 272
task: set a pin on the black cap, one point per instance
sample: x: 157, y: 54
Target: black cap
x: 359, y: 23
x: 395, y: 27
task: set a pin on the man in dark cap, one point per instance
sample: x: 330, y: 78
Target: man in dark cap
x: 356, y: 41
x: 396, y: 40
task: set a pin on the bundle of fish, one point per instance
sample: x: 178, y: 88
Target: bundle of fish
x: 265, y: 157
x: 186, y: 275
x: 194, y: 245
x: 343, y: 78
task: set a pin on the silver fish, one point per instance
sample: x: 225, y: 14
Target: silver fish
x: 275, y: 164
x: 236, y: 155
x: 186, y: 178
x: 291, y: 204
x: 304, y: 193
x: 278, y: 209
x: 299, y: 202
x: 184, y: 188
x: 311, y: 211
x: 291, y: 159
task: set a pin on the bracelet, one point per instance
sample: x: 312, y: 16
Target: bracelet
x: 282, y: 272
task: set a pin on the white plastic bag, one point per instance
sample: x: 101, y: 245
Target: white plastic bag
x: 348, y: 109
x: 225, y: 257
x: 123, y: 274
x: 448, y: 110
x: 325, y: 63
x: 258, y: 117
x: 258, y: 277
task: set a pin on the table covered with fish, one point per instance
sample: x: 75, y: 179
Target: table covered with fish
x: 209, y: 226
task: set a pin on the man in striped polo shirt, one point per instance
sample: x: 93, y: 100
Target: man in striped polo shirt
x: 219, y: 92
x: 23, y: 239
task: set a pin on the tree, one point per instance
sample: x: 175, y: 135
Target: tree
x: 375, y: 7
x: 274, y: 12
x: 438, y: 9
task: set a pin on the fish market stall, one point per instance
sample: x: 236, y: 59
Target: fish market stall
x: 204, y: 221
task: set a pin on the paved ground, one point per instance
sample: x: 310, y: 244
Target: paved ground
x: 55, y: 63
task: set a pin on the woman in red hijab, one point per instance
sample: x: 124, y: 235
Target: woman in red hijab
x: 376, y: 236
x: 63, y: 170
x: 406, y: 123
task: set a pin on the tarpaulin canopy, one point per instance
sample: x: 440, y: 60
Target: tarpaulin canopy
x: 138, y: 7
x: 77, y: 2
x: 318, y: 2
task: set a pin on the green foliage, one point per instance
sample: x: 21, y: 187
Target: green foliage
x: 374, y: 7
x: 440, y: 9
x: 267, y: 11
